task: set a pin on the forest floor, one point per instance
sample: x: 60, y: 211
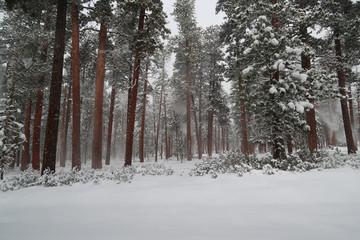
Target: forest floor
x: 313, y: 205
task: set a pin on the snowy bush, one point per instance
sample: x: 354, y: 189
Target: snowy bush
x: 301, y: 161
x: 231, y: 162
x: 31, y: 178
x: 153, y: 169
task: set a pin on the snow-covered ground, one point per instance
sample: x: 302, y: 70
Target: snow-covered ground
x: 314, y: 205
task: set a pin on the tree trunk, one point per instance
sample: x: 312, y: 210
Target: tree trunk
x: 188, y: 107
x: 62, y: 129
x: 201, y: 151
x: 99, y: 95
x: 167, y: 147
x: 51, y: 136
x: 132, y: 103
x: 25, y: 160
x: 39, y: 102
x: 67, y: 119
x: 198, y: 141
x: 244, y: 142
x: 76, y: 148
x: 159, y: 119
x: 344, y: 107
x: 351, y: 107
x: 142, y: 132
x: 310, y: 115
x: 111, y: 117
x: 210, y: 119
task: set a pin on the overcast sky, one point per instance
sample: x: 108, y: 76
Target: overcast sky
x: 205, y: 14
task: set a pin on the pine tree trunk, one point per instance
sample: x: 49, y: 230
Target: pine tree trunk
x: 132, y: 103
x: 210, y: 119
x: 159, y: 120
x: 76, y: 148
x: 342, y: 89
x: 39, y: 102
x: 201, y: 151
x: 111, y: 117
x: 25, y: 160
x: 142, y: 132
x: 67, y: 120
x: 244, y: 142
x: 188, y: 107
x: 62, y: 129
x: 310, y: 115
x: 167, y: 147
x: 51, y: 136
x: 198, y: 141
x: 99, y: 95
x: 116, y: 120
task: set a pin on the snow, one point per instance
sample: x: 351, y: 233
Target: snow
x: 274, y: 41
x: 313, y: 205
x: 300, y: 76
x: 247, y: 70
x: 273, y: 90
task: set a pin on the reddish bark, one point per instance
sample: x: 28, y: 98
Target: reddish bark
x: 244, y: 142
x: 39, y: 103
x: 310, y: 115
x: 343, y: 102
x: 132, y: 103
x: 51, y: 135
x: 142, y: 132
x: 188, y: 107
x: 99, y: 95
x: 111, y: 117
x: 210, y: 119
x: 76, y: 148
x: 289, y: 144
x: 25, y: 160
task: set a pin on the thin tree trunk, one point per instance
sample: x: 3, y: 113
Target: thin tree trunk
x: 132, y: 103
x: 67, y: 120
x: 188, y: 107
x: 25, y: 160
x: 99, y: 95
x: 142, y: 132
x: 51, y: 136
x: 198, y: 141
x: 201, y: 151
x: 39, y: 102
x: 344, y: 107
x: 76, y: 147
x: 116, y: 120
x: 210, y: 119
x: 111, y: 117
x: 244, y: 142
x: 62, y: 129
x: 159, y: 120
x: 167, y: 144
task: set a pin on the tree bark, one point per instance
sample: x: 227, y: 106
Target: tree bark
x: 198, y: 141
x: 25, y: 160
x: 188, y: 106
x: 62, y: 129
x: 167, y: 147
x: 111, y: 117
x: 51, y: 136
x: 310, y: 115
x: 99, y: 95
x: 159, y: 119
x: 142, y: 132
x: 344, y: 107
x: 132, y: 103
x: 244, y: 142
x: 39, y: 102
x: 76, y: 148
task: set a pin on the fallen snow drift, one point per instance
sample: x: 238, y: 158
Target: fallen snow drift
x: 313, y: 205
